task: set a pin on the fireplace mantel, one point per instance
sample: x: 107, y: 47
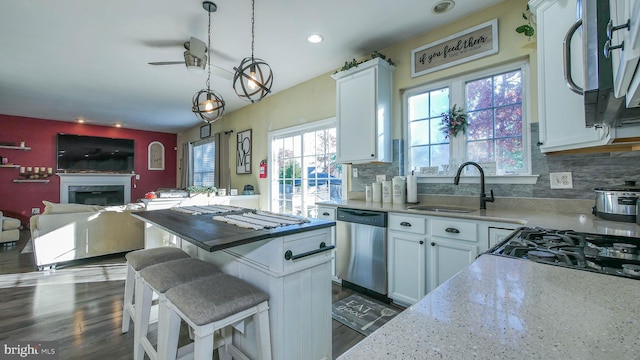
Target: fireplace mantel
x: 80, y: 179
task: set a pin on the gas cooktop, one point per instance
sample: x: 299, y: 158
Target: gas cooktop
x: 606, y: 254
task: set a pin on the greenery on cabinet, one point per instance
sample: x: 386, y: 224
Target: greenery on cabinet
x: 454, y: 122
x: 354, y: 63
x: 193, y: 190
x: 526, y: 29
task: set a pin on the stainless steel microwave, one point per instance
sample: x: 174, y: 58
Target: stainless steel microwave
x: 610, y: 32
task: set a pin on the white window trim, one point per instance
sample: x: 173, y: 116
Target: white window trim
x: 298, y: 130
x: 456, y: 84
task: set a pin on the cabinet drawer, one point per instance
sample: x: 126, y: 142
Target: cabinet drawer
x: 407, y: 223
x: 327, y: 213
x: 454, y: 229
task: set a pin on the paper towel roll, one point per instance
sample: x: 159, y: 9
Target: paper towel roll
x: 412, y: 189
x: 377, y: 192
x: 387, y: 192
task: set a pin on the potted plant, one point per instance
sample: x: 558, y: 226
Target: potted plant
x: 195, y: 190
x: 454, y: 122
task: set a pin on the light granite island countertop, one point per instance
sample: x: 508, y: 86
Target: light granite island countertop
x: 503, y: 308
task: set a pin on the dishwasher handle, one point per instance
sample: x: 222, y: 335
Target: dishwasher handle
x: 288, y: 255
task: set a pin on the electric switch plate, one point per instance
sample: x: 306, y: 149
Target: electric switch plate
x: 35, y: 211
x: 561, y: 180
x: 381, y: 178
x: 355, y: 172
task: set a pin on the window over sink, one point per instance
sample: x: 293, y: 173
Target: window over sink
x: 495, y: 101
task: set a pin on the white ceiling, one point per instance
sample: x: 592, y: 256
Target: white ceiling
x: 70, y: 59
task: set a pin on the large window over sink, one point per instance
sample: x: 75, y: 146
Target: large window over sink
x: 495, y: 101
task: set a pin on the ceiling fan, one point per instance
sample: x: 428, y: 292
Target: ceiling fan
x: 195, y: 57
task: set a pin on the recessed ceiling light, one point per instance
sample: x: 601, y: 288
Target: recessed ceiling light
x: 315, y: 38
x: 443, y: 6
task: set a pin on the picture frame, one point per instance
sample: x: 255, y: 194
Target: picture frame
x: 205, y: 131
x: 243, y: 152
x: 155, y: 152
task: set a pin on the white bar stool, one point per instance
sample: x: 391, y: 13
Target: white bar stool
x: 210, y: 304
x: 136, y: 261
x: 158, y: 279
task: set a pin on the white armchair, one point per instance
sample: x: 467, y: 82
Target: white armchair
x: 10, y: 229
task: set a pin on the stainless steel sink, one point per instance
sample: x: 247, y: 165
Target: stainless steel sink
x: 440, y: 208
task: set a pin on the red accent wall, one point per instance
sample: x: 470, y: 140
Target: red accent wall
x: 17, y: 199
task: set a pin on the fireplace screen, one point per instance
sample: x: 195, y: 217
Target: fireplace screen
x: 104, y: 195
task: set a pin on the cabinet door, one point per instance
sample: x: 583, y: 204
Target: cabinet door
x: 624, y: 60
x: 406, y: 267
x: 561, y: 111
x: 445, y: 258
x: 329, y: 213
x: 497, y: 235
x: 356, y: 109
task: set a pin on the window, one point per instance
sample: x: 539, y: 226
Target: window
x: 204, y: 163
x: 494, y: 101
x: 303, y: 168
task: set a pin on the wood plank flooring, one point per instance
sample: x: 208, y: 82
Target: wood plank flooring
x: 80, y: 306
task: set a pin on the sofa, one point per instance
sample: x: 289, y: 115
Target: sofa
x: 66, y: 232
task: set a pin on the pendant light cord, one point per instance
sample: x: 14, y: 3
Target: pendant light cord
x: 208, y: 52
x: 253, y: 33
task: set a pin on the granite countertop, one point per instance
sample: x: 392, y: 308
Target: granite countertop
x: 211, y: 235
x: 546, y: 213
x: 507, y: 308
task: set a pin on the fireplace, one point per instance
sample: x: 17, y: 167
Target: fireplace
x: 95, y: 188
x: 104, y: 195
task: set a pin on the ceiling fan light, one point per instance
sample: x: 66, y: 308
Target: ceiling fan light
x: 193, y: 62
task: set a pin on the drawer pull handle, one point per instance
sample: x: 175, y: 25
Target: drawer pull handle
x: 325, y: 214
x: 404, y: 223
x: 452, y: 230
x: 288, y: 255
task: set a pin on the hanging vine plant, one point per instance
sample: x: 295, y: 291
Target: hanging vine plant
x: 454, y: 122
x: 354, y: 63
x: 526, y: 29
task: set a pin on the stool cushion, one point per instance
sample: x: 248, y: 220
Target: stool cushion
x: 9, y: 223
x: 214, y: 298
x: 140, y: 259
x: 163, y: 277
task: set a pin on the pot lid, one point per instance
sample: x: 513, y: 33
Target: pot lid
x: 629, y: 185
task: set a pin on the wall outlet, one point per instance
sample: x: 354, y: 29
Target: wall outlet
x: 35, y: 211
x: 561, y: 180
x: 354, y: 172
x: 137, y: 176
x: 381, y: 178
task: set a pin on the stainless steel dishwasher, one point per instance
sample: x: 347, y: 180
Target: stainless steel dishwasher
x: 361, y: 248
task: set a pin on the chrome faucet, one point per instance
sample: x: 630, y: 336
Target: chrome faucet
x: 483, y: 196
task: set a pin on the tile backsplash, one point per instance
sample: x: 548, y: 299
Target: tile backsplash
x: 589, y: 171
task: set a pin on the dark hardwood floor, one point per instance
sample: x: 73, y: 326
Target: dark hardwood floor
x: 80, y: 306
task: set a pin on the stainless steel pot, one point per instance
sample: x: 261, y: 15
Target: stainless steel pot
x: 618, y: 203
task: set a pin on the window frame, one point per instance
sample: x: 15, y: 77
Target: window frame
x: 458, y: 145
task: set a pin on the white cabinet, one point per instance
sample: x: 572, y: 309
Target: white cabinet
x: 445, y: 258
x: 406, y: 257
x: 329, y: 213
x: 497, y: 235
x: 625, y: 60
x: 363, y: 110
x: 561, y: 111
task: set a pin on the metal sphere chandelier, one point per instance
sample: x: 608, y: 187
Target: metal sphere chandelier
x: 208, y: 105
x: 253, y: 77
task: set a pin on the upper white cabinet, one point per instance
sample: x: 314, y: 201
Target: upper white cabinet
x: 561, y: 111
x: 363, y: 110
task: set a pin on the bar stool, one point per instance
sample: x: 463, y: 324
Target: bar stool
x: 210, y: 304
x: 158, y: 279
x: 136, y: 261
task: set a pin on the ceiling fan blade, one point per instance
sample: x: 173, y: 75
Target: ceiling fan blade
x: 167, y: 63
x: 197, y: 48
x: 221, y: 72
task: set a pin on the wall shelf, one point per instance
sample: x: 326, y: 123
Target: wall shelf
x: 30, y: 181
x: 11, y: 166
x: 14, y: 147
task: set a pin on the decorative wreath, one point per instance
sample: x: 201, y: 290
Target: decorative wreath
x: 453, y: 122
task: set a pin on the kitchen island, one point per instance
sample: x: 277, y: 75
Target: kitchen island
x: 291, y: 263
x: 504, y: 308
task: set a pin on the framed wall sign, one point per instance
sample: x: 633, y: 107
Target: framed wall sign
x: 471, y: 44
x: 156, y: 156
x: 205, y: 131
x: 243, y: 157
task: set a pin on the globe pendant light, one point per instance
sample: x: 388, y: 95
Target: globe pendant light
x: 253, y: 77
x: 208, y: 105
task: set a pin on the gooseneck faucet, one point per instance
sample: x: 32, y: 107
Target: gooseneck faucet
x: 483, y: 196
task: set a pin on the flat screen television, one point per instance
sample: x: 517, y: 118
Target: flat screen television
x: 82, y: 153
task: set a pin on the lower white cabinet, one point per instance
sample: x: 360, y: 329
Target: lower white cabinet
x: 406, y: 258
x: 329, y: 213
x: 497, y: 235
x: 446, y: 257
